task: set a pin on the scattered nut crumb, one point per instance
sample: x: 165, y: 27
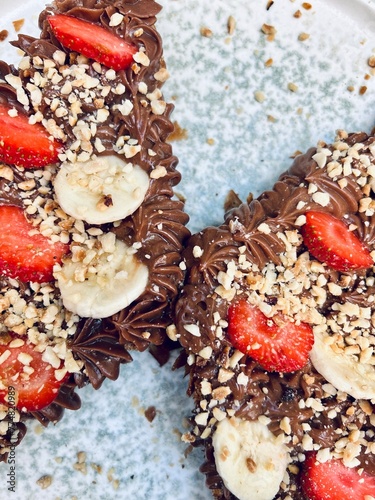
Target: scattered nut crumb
x: 110, y: 474
x: 38, y: 429
x: 180, y: 196
x: 45, y: 481
x: 187, y: 437
x: 135, y: 402
x: 6, y: 172
x: 297, y: 14
x: 259, y: 96
x: 367, y: 76
x: 81, y: 457
x: 231, y: 25
x: 296, y: 153
x: 172, y: 332
x: 178, y: 133
x: 350, y: 88
x: 292, y: 87
x: 206, y: 32
x: 115, y: 482
x: 307, y: 6
x: 81, y: 465
x: 271, y: 118
x: 269, y: 4
x: 18, y: 24
x: 303, y: 36
x: 270, y: 31
x: 162, y: 75
x: 96, y: 467
x: 362, y: 90
x: 210, y: 141
x: 371, y: 61
x: 3, y: 35
x: 269, y: 62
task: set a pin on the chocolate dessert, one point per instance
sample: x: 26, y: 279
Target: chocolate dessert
x: 277, y: 324
x: 91, y: 230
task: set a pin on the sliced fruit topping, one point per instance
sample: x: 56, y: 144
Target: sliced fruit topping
x: 24, y: 144
x: 98, y: 281
x: 277, y: 344
x: 330, y: 241
x: 332, y: 480
x: 344, y: 371
x: 101, y: 190
x: 24, y: 252
x: 250, y: 459
x: 27, y: 381
x: 92, y: 41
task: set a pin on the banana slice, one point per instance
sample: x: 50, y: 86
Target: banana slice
x: 342, y: 370
x: 99, y: 280
x: 250, y: 459
x: 101, y: 190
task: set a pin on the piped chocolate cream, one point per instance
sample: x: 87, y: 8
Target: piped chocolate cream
x: 113, y: 127
x: 258, y: 255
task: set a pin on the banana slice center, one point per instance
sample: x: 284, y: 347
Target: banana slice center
x: 99, y: 280
x: 251, y: 460
x: 346, y: 372
x: 101, y: 190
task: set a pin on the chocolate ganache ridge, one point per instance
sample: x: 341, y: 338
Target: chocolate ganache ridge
x: 137, y: 129
x: 258, y: 242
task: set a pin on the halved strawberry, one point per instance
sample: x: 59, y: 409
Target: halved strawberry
x: 329, y: 240
x: 92, y: 41
x: 23, y: 144
x: 277, y: 344
x: 25, y: 253
x: 26, y: 381
x: 332, y: 480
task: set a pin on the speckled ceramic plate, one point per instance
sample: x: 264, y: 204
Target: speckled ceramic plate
x: 246, y: 101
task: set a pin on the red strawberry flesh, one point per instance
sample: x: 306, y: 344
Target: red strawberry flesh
x: 24, y: 252
x: 27, y: 382
x: 332, y: 480
x: 24, y: 144
x: 92, y: 41
x: 330, y: 241
x: 277, y: 344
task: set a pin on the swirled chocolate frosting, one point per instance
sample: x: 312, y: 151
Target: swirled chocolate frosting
x: 97, y: 347
x: 255, y: 249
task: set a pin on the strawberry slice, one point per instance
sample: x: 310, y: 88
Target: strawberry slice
x: 330, y: 241
x: 92, y: 41
x: 26, y: 381
x: 25, y: 253
x: 277, y: 344
x: 23, y: 144
x: 331, y: 480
